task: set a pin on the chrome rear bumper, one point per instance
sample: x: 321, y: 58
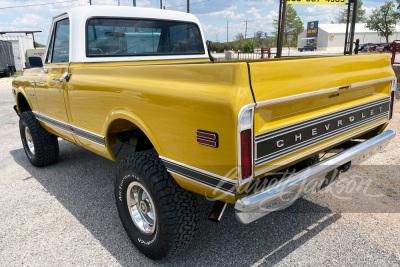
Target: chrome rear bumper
x: 285, y: 192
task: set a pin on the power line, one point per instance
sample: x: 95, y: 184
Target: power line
x: 39, y: 4
x: 190, y: 3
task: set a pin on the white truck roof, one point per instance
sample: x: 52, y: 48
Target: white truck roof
x: 78, y: 17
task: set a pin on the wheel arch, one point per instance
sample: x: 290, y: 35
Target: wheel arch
x: 23, y: 103
x: 122, y: 120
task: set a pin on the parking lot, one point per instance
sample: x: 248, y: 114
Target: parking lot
x: 64, y: 215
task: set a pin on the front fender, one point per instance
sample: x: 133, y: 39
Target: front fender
x: 20, y: 92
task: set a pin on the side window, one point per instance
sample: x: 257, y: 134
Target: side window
x: 59, y: 45
x: 50, y: 49
x: 183, y: 39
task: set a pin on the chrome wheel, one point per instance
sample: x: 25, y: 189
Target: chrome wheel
x: 29, y: 141
x: 141, y: 208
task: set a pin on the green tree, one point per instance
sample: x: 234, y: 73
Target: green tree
x: 293, y: 24
x: 398, y: 2
x: 38, y: 45
x: 383, y: 20
x: 239, y: 41
x: 239, y: 37
x: 248, y: 46
x: 360, y: 15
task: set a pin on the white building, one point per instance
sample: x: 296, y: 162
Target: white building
x: 19, y: 44
x: 332, y: 36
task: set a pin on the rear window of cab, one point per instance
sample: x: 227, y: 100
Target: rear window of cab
x: 141, y: 37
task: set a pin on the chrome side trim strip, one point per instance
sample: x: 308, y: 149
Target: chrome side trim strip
x: 272, y: 167
x: 319, y: 92
x: 211, y: 180
x: 59, y: 124
x: 90, y: 136
x: 198, y: 170
x: 196, y: 181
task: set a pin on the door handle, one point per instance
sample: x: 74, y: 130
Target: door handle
x: 66, y: 75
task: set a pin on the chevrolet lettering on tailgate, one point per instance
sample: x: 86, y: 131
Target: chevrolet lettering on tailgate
x: 278, y: 143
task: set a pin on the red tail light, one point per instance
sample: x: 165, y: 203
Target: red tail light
x: 245, y: 149
x: 392, y: 96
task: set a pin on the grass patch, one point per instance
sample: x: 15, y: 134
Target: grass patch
x: 391, y: 194
x: 16, y: 74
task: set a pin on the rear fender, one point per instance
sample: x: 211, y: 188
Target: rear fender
x: 135, y: 119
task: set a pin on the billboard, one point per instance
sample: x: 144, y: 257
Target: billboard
x: 263, y: 35
x: 312, y: 29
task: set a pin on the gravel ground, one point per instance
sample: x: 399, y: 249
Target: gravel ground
x: 64, y: 215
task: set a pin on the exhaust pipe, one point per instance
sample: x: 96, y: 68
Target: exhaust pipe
x: 217, y: 211
x: 345, y: 167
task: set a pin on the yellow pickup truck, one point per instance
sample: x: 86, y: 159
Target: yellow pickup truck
x: 143, y: 80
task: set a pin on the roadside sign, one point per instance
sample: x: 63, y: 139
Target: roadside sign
x: 290, y: 37
x: 263, y: 35
x: 332, y: 36
x: 317, y: 2
x: 312, y: 29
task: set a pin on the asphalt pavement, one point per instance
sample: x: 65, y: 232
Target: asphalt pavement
x: 64, y: 215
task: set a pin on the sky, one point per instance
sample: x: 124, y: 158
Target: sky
x: 213, y: 14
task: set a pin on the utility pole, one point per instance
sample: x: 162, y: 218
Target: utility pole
x: 227, y: 31
x: 349, y: 38
x: 281, y: 27
x: 160, y: 4
x: 217, y: 37
x: 245, y: 33
x: 353, y: 26
x: 188, y: 6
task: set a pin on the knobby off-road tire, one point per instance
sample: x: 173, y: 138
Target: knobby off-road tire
x: 174, y: 209
x: 41, y: 147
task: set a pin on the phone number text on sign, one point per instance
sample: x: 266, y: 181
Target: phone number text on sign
x: 317, y: 2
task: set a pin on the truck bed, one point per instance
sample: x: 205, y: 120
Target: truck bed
x: 304, y: 105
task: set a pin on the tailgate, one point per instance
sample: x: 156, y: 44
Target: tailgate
x: 307, y: 105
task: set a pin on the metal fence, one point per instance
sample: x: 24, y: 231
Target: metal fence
x: 380, y: 48
x: 243, y: 55
x: 396, y: 52
x: 393, y: 48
